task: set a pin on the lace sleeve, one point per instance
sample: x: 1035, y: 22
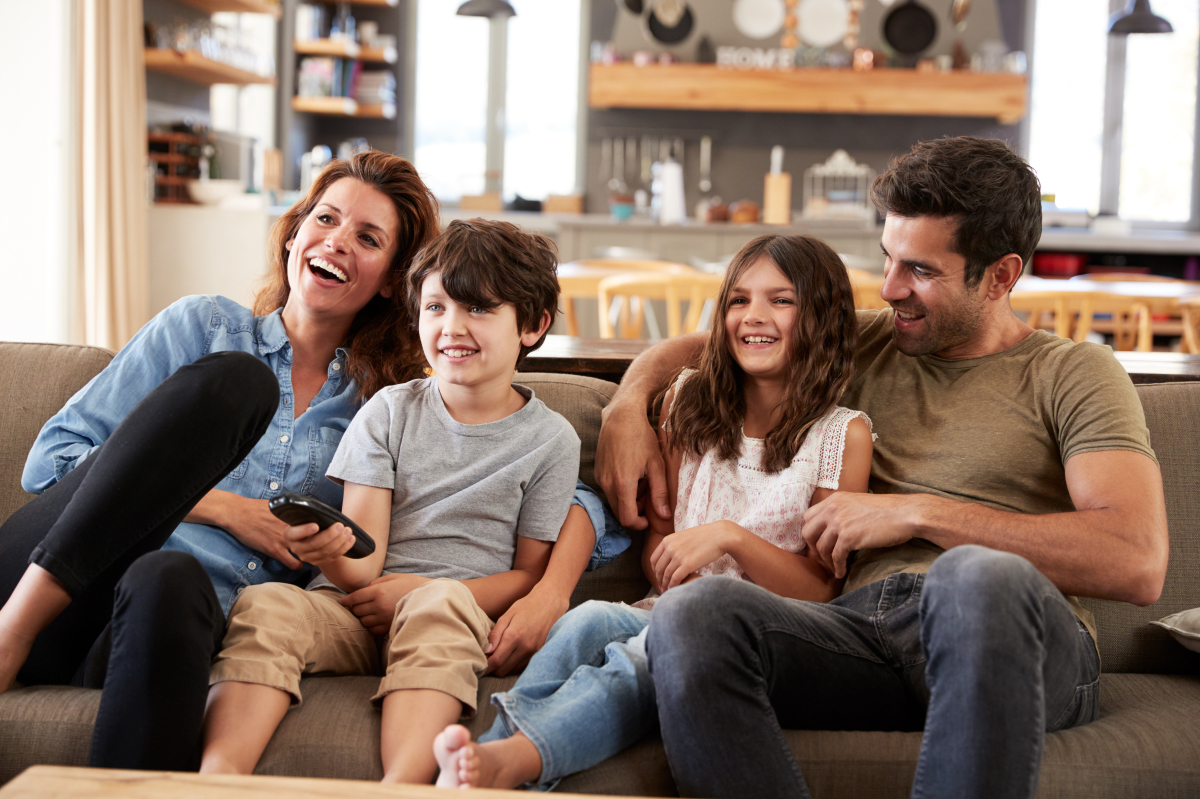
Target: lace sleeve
x: 833, y: 442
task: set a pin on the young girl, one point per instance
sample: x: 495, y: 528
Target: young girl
x: 752, y: 438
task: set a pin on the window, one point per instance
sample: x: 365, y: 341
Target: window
x: 541, y: 98
x: 1150, y: 91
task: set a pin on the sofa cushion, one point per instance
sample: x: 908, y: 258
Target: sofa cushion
x: 1128, y: 641
x: 38, y: 380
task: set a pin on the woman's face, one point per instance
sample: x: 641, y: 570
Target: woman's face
x: 340, y: 256
x: 760, y: 318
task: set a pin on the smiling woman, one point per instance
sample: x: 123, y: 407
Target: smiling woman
x: 153, y: 481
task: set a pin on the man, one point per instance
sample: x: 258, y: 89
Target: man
x: 1012, y: 472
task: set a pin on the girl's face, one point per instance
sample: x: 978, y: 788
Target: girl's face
x: 760, y: 318
x: 340, y: 256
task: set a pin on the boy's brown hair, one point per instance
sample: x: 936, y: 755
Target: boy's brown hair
x: 487, y: 263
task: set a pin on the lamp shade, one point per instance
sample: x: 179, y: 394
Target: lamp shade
x: 1136, y: 18
x: 486, y: 8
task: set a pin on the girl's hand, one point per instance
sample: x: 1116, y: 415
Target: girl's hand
x: 683, y: 552
x: 375, y: 605
x: 247, y: 520
x: 316, y: 546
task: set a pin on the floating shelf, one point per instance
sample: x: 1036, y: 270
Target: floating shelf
x: 385, y: 3
x: 344, y: 106
x: 342, y: 49
x: 908, y: 92
x: 198, y: 69
x: 240, y: 6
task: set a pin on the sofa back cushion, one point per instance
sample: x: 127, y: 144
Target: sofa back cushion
x: 38, y: 379
x: 1128, y: 642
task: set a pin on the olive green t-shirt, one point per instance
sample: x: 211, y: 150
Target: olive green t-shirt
x: 995, y: 430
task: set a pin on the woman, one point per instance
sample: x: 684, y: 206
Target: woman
x: 154, y: 478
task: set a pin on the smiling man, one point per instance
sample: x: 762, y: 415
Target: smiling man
x: 1012, y: 472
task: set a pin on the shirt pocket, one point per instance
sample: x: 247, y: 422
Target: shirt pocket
x: 322, y: 443
x: 239, y: 471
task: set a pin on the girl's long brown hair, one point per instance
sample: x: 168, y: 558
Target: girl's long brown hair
x: 709, y: 409
x: 381, y: 347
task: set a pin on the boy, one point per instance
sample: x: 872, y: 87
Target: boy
x: 474, y: 475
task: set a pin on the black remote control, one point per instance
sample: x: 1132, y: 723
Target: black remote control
x: 297, y: 509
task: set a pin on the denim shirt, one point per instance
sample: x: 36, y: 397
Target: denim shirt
x: 291, y: 456
x: 611, y: 537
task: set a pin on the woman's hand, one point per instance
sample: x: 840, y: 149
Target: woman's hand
x: 375, y: 605
x: 316, y: 546
x: 683, y: 552
x: 247, y: 520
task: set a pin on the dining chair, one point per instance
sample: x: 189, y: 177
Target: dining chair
x: 580, y: 279
x: 1074, y: 312
x: 866, y: 286
x: 1191, y: 325
x: 623, y: 302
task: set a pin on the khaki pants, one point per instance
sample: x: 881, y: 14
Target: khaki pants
x: 277, y: 632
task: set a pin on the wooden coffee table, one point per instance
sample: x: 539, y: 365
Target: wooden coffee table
x: 69, y: 782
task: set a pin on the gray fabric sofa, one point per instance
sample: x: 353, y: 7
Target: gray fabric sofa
x: 1145, y: 744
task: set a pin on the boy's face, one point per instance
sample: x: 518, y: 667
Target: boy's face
x: 469, y: 346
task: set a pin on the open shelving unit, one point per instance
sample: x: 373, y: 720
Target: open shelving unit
x: 198, y: 69
x: 343, y: 107
x: 707, y: 87
x: 239, y: 6
x: 344, y: 49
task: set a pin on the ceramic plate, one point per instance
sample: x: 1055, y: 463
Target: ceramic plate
x: 758, y: 19
x: 823, y: 22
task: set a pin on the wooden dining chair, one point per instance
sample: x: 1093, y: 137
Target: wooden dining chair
x: 1074, y: 312
x: 623, y: 300
x: 1191, y: 325
x: 579, y: 280
x: 866, y: 286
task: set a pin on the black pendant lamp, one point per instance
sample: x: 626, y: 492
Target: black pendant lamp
x: 1137, y: 18
x: 486, y: 8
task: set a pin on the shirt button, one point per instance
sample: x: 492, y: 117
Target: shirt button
x: 284, y: 439
x: 274, y: 486
x: 337, y: 367
x: 240, y: 590
x: 251, y: 565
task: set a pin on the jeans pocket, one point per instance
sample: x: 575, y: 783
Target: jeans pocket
x: 1082, y: 709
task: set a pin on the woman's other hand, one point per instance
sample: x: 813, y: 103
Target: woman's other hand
x: 375, y: 605
x: 247, y: 520
x: 313, y: 545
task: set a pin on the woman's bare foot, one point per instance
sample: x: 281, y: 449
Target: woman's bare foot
x: 498, y: 764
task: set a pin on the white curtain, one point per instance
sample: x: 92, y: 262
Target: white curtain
x: 111, y: 299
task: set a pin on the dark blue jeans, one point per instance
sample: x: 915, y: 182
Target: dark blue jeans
x: 983, y: 652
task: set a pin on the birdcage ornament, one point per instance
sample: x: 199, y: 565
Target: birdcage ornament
x: 837, y: 189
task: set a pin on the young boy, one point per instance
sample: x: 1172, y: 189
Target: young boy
x: 462, y: 479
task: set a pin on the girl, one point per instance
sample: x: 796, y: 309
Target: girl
x: 154, y: 478
x: 751, y: 439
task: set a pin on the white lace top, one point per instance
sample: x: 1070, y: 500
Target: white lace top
x: 771, y: 506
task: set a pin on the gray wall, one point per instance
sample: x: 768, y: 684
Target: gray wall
x: 742, y: 140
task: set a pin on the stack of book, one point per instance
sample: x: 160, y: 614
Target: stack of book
x: 323, y: 76
x: 376, y: 86
x: 311, y: 22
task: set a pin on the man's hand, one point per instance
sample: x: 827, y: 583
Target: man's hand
x: 375, y: 605
x: 630, y: 467
x: 247, y: 520
x: 683, y: 552
x: 522, y: 631
x: 847, y: 522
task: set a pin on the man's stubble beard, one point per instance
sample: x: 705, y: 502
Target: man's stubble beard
x: 950, y: 330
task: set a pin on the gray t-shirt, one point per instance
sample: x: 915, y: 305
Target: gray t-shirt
x: 462, y: 493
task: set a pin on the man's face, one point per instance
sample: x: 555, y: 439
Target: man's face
x: 936, y: 313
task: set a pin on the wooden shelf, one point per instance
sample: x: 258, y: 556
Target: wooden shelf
x: 341, y: 49
x: 344, y: 106
x: 239, y: 6
x: 385, y: 3
x: 198, y: 69
x: 815, y: 91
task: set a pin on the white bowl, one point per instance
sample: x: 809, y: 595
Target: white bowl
x: 211, y: 192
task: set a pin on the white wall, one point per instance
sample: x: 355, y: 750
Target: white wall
x: 33, y: 177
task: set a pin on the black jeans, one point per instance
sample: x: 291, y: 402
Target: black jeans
x: 143, y: 624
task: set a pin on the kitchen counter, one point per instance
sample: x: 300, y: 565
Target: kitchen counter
x: 1155, y: 242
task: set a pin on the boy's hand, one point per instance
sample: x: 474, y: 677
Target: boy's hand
x: 522, y: 631
x: 683, y: 552
x: 375, y: 605
x: 313, y: 545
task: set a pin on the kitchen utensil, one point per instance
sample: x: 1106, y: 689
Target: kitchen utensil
x: 958, y: 14
x: 648, y: 147
x: 670, y: 21
x: 677, y: 149
x: 823, y: 22
x: 631, y: 162
x: 705, y: 164
x: 616, y: 183
x: 909, y: 28
x: 606, y: 151
x: 758, y: 19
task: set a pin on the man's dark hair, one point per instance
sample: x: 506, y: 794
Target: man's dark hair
x: 487, y: 263
x: 990, y: 190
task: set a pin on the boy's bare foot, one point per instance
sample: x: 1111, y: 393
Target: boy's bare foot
x: 498, y: 764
